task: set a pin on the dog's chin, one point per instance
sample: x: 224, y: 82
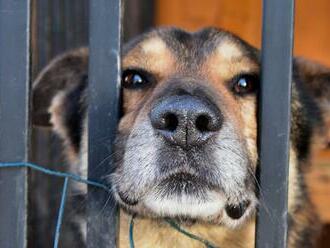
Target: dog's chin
x: 205, y: 207
x: 211, y: 208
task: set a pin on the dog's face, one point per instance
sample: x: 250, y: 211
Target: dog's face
x: 186, y: 144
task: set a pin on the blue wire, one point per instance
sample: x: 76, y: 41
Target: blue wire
x: 77, y: 178
x: 131, y: 238
x: 61, y: 212
x: 66, y: 177
x: 188, y: 234
x: 174, y: 226
x: 55, y: 173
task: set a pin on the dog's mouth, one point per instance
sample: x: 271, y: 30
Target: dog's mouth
x: 183, y: 183
x: 189, y: 198
x: 175, y: 185
x: 126, y: 199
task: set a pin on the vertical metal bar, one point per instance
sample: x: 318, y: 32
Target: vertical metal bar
x: 277, y: 43
x: 14, y: 105
x: 104, y: 79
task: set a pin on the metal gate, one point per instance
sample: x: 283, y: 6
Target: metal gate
x: 104, y: 66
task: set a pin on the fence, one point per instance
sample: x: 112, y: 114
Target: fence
x: 104, y: 43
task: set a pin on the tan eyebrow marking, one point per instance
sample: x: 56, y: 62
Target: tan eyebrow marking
x: 227, y: 61
x: 152, y: 55
x: 228, y: 51
x: 154, y: 45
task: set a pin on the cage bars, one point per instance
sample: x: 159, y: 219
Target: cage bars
x: 104, y: 89
x: 104, y: 79
x: 274, y: 122
x: 14, y: 121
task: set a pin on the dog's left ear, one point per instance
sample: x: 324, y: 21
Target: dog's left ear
x: 316, y: 79
x: 60, y: 99
x: 63, y: 73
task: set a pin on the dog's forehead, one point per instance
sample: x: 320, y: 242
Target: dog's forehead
x: 167, y: 47
x: 199, y: 45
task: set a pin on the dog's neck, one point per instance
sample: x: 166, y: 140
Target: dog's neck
x: 149, y: 233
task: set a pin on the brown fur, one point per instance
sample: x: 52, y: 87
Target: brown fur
x: 152, y: 233
x: 159, y: 54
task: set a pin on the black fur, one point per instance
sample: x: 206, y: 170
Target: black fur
x: 306, y: 112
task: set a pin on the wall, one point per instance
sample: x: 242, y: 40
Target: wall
x: 243, y: 17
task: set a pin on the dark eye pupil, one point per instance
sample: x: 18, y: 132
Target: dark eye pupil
x: 137, y: 79
x: 243, y: 83
x: 133, y: 79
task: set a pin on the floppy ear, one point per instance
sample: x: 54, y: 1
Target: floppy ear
x: 316, y: 79
x: 59, y: 98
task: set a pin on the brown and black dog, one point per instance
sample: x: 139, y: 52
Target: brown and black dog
x: 186, y: 145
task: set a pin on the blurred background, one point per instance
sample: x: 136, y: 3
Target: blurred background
x: 60, y: 25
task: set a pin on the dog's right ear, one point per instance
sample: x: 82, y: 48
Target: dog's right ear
x: 59, y: 98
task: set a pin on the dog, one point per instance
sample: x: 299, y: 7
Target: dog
x: 186, y: 147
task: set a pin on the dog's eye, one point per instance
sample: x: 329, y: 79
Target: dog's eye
x: 134, y: 79
x: 245, y: 84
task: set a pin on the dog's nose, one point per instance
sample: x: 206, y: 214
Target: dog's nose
x: 186, y: 120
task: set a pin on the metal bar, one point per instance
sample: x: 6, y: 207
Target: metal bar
x: 104, y: 79
x: 277, y: 43
x: 14, y: 122
x: 139, y: 16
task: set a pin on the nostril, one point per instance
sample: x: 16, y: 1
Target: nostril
x: 171, y: 122
x: 202, y: 123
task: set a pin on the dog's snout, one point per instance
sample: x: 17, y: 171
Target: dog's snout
x: 186, y: 120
